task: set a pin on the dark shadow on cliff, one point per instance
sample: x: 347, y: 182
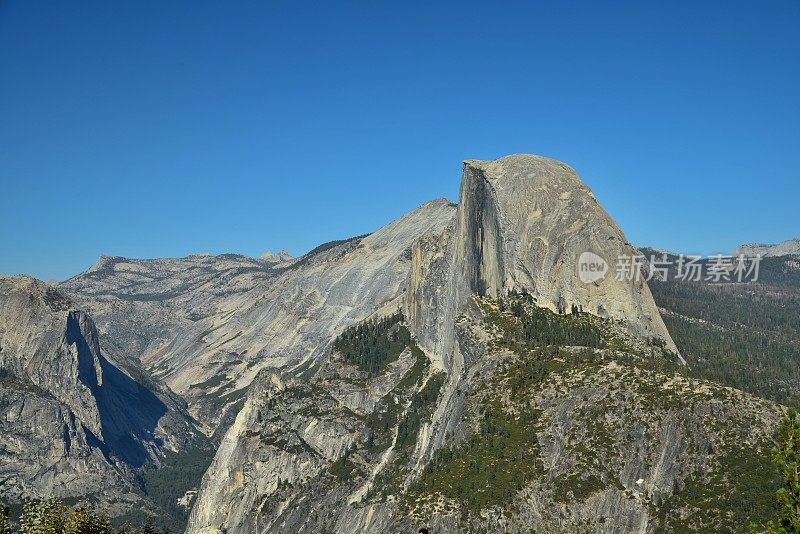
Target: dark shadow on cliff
x: 129, y: 412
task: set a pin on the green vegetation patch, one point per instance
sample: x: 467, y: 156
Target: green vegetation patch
x: 737, y: 490
x: 179, y: 473
x: 524, y: 325
x: 490, y: 466
x: 375, y: 343
x: 55, y: 300
x: 541, y: 327
x: 576, y: 486
x: 741, y: 336
x: 344, y: 468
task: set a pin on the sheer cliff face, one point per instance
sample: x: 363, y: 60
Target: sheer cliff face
x: 73, y: 423
x: 521, y: 224
x: 525, y: 220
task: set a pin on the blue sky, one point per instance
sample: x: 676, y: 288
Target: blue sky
x: 149, y: 129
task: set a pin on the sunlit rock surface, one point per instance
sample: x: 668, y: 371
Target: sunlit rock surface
x: 74, y: 424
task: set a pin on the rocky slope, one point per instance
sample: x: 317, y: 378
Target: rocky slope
x: 609, y: 437
x: 207, y: 325
x: 454, y: 369
x: 785, y: 248
x: 74, y: 424
x: 525, y: 399
x: 276, y: 257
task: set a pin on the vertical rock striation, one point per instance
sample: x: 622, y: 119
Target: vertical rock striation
x: 523, y: 222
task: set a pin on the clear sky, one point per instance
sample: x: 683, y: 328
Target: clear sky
x: 151, y: 129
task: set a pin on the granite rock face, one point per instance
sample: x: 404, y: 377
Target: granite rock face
x: 46, y: 451
x: 606, y: 432
x: 785, y: 248
x: 74, y: 423
x: 521, y: 225
x: 276, y: 257
x: 207, y: 325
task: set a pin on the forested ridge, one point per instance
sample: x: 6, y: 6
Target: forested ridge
x: 744, y: 335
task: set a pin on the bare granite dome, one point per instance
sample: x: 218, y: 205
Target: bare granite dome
x: 521, y: 224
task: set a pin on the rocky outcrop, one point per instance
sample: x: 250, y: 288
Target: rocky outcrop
x: 521, y: 224
x: 45, y: 450
x: 276, y: 257
x: 74, y: 423
x: 207, y: 325
x: 785, y: 248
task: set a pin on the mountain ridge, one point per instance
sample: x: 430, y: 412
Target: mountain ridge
x: 484, y: 250
x: 346, y: 388
x: 784, y: 248
x: 207, y: 325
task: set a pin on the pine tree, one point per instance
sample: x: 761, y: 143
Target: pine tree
x: 786, y: 457
x: 52, y: 516
x: 42, y: 517
x: 84, y: 519
x: 5, y: 519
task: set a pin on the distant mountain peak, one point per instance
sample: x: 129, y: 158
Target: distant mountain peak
x: 276, y: 257
x: 784, y: 248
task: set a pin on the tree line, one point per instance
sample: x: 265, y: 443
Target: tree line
x: 53, y: 516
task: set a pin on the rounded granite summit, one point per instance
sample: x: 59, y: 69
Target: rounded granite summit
x: 528, y: 170
x: 523, y: 223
